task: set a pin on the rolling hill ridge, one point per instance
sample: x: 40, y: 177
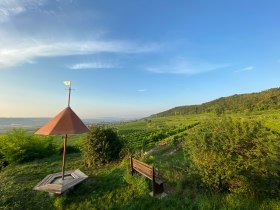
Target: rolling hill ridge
x: 265, y: 100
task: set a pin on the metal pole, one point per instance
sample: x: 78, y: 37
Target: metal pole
x: 64, y: 156
x: 69, y: 94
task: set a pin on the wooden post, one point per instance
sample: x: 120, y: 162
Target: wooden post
x: 154, y: 181
x: 64, y: 156
x: 131, y: 165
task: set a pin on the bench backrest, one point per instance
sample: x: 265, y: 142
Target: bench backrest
x: 142, y: 168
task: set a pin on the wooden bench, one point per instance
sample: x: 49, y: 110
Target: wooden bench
x: 149, y: 172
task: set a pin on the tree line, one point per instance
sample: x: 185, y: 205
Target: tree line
x: 265, y: 100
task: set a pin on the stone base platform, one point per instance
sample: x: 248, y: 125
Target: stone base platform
x: 54, y: 185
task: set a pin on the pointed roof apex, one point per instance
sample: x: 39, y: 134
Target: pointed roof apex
x: 66, y: 122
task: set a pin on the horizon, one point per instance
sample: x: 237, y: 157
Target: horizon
x: 133, y: 118
x: 123, y: 64
x: 48, y: 118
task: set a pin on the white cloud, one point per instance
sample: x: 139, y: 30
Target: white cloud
x: 9, y: 8
x: 183, y: 66
x: 15, y: 51
x: 142, y: 90
x: 248, y: 68
x: 93, y: 65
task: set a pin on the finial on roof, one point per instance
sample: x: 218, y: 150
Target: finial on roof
x: 68, y: 83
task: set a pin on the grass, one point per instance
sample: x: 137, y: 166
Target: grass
x: 112, y: 186
x: 109, y: 187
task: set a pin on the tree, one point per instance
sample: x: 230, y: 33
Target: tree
x: 101, y: 146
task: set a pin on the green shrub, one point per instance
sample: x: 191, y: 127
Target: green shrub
x: 101, y: 146
x: 19, y: 146
x: 235, y: 155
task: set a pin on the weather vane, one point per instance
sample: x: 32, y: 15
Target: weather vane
x: 68, y: 83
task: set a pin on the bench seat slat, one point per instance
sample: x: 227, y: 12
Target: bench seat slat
x: 146, y: 170
x: 143, y: 169
x: 141, y: 163
x: 141, y: 172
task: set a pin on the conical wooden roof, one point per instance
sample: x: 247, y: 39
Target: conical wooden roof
x: 66, y: 122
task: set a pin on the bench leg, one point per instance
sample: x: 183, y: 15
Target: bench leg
x: 157, y: 189
x: 131, y: 166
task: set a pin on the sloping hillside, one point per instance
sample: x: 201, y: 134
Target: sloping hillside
x: 265, y: 100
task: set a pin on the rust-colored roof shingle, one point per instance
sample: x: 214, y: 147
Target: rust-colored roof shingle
x: 66, y: 122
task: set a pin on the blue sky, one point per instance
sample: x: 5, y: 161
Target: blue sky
x: 133, y: 58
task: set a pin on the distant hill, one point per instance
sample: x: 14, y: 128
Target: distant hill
x: 268, y: 99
